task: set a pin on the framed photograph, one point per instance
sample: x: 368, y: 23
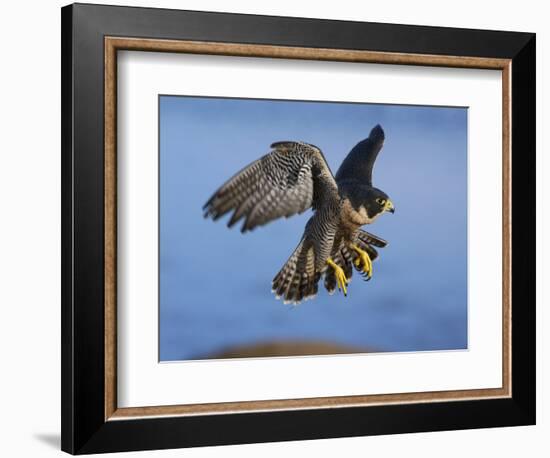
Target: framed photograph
x: 280, y: 228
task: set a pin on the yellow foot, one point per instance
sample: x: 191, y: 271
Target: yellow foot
x: 363, y: 261
x: 340, y: 276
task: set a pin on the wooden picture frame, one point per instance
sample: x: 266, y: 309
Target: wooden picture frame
x: 91, y: 419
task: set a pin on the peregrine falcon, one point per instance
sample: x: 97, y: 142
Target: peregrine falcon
x: 293, y: 177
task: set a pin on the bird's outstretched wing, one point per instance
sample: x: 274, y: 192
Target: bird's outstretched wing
x: 359, y: 163
x: 293, y: 177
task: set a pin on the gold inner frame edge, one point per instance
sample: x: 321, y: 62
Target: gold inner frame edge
x: 114, y: 44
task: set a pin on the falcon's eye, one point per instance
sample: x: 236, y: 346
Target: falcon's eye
x: 381, y: 201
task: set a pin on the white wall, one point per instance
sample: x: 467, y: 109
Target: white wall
x: 30, y: 228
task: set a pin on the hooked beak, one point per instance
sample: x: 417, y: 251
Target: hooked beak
x: 389, y: 206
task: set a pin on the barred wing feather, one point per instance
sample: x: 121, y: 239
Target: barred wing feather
x: 293, y: 177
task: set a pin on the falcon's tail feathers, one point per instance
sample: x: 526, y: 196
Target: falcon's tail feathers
x: 297, y: 280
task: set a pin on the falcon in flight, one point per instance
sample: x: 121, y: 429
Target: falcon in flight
x: 293, y: 177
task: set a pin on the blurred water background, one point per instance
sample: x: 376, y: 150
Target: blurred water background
x: 215, y: 283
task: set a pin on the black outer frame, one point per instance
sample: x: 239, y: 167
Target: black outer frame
x: 84, y: 429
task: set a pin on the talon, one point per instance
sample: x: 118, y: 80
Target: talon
x: 340, y: 276
x: 364, y: 260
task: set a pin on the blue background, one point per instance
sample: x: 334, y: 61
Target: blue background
x: 215, y: 283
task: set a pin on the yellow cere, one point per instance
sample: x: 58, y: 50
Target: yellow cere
x: 389, y: 206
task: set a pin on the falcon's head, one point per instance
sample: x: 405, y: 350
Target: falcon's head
x: 376, y: 203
